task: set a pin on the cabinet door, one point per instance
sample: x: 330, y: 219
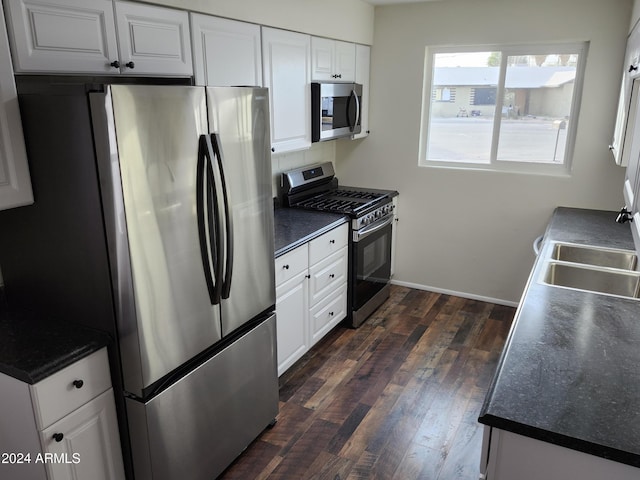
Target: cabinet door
x: 153, y: 40
x: 363, y: 64
x: 292, y: 321
x: 226, y: 52
x: 620, y: 145
x: 322, y: 58
x: 333, y: 60
x: 85, y: 443
x: 15, y: 183
x: 286, y: 61
x: 71, y: 36
x: 345, y: 61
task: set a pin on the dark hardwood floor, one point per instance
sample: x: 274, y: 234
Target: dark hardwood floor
x: 397, y: 398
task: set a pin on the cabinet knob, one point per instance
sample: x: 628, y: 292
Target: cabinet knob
x: 307, y: 276
x: 115, y: 64
x: 337, y: 75
x: 58, y: 437
x: 632, y: 68
x: 273, y: 150
x: 130, y: 65
x: 285, y: 267
x: 78, y: 383
x: 331, y: 314
x: 333, y: 275
x: 332, y: 241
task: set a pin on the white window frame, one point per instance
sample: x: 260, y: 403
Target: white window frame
x: 559, y: 169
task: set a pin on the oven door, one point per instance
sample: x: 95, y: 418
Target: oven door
x: 371, y: 262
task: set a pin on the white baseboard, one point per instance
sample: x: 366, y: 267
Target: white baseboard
x: 470, y: 296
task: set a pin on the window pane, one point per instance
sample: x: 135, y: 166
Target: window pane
x: 536, y: 107
x: 462, y: 106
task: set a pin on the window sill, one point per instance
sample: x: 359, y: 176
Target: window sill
x: 547, y: 170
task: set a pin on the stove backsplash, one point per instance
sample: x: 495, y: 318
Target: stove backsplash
x: 281, y: 162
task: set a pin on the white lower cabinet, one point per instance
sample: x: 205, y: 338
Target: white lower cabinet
x: 508, y: 456
x: 292, y: 305
x: 311, y: 293
x: 85, y: 442
x: 66, y: 424
x: 328, y: 313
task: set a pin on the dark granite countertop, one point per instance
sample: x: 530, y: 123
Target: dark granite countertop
x: 32, y: 347
x: 294, y: 227
x: 570, y: 371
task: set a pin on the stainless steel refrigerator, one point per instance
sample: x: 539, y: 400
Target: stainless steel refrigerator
x: 153, y: 220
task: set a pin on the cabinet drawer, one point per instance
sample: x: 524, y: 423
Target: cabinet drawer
x: 57, y: 395
x: 327, y: 275
x: 328, y: 313
x: 329, y: 243
x: 291, y: 264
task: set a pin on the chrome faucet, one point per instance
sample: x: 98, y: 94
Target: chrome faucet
x: 624, y: 216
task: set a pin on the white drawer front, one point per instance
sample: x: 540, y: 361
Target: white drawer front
x: 327, y: 275
x: 328, y: 243
x: 328, y: 313
x: 57, y: 395
x: 292, y: 263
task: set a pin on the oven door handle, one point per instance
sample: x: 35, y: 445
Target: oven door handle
x: 371, y: 229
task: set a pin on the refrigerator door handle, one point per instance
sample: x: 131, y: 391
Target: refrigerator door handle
x: 208, y: 220
x: 226, y: 285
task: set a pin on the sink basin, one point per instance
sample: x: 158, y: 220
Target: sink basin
x: 602, y: 257
x: 599, y: 280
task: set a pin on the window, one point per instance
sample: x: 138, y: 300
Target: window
x: 506, y: 107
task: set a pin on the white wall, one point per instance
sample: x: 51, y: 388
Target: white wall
x: 467, y: 231
x: 350, y: 20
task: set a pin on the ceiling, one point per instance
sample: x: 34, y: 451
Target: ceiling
x: 393, y: 2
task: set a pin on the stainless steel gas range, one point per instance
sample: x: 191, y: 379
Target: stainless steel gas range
x: 371, y: 212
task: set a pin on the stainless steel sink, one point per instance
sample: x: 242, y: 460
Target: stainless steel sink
x: 599, y: 280
x: 602, y: 257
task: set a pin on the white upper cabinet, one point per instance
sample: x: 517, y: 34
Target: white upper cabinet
x: 80, y: 36
x: 333, y: 60
x: 74, y: 36
x: 621, y: 144
x: 153, y: 40
x: 225, y: 52
x: 286, y: 62
x: 363, y: 67
x: 15, y: 183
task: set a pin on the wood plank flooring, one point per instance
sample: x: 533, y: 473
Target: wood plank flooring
x: 397, y: 398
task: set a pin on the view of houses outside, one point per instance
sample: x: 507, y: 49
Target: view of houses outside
x: 533, y: 113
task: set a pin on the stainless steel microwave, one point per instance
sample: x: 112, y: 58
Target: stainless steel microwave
x: 335, y: 110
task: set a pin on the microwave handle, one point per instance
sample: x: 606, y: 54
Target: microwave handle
x: 355, y: 96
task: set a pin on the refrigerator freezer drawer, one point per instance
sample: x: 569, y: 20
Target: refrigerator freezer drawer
x: 198, y: 426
